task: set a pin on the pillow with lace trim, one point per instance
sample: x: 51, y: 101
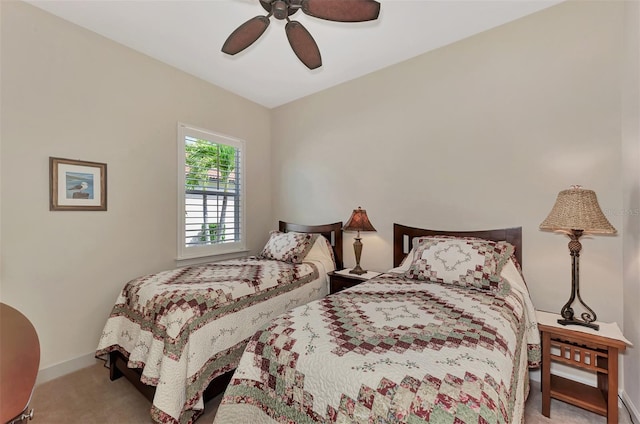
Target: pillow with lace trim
x: 467, y: 262
x: 289, y: 247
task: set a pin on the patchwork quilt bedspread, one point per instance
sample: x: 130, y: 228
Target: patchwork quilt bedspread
x: 186, y: 326
x: 390, y: 350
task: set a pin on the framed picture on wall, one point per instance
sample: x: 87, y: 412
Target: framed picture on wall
x: 76, y: 185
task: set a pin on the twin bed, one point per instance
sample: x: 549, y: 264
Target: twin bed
x: 178, y: 334
x: 446, y: 336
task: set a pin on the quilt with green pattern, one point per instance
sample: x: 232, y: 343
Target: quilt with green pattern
x: 391, y: 350
x: 186, y: 326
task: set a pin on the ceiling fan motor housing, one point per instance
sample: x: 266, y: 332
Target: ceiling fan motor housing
x: 280, y: 9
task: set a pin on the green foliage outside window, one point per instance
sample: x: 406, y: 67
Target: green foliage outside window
x: 202, y: 157
x: 210, y: 233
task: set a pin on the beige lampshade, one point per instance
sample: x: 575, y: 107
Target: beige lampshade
x: 359, y: 221
x: 577, y: 209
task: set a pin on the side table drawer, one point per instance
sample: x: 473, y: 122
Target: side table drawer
x: 339, y: 281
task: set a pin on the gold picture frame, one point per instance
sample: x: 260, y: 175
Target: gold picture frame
x: 76, y: 185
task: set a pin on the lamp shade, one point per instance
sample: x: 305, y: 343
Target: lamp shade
x: 359, y: 221
x: 577, y: 209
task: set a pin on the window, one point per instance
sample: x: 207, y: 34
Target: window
x: 211, y: 193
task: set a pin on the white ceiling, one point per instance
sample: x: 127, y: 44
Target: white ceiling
x: 188, y: 34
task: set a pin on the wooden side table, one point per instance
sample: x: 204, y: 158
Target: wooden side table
x: 583, y: 348
x: 340, y: 280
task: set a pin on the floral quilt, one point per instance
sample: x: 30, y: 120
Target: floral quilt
x: 186, y: 326
x: 391, y: 350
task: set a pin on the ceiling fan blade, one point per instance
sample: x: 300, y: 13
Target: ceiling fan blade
x: 303, y: 44
x: 245, y: 35
x: 342, y: 10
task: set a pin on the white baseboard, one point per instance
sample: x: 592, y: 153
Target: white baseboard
x: 66, y: 367
x: 566, y: 372
x: 633, y: 410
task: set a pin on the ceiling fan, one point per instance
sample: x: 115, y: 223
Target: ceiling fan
x: 301, y: 41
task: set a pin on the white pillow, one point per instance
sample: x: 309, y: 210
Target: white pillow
x: 322, y: 252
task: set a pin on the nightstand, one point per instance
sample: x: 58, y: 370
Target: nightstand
x: 583, y: 348
x: 340, y: 280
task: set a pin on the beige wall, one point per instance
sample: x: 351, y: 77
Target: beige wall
x: 631, y: 198
x: 480, y: 134
x: 70, y: 93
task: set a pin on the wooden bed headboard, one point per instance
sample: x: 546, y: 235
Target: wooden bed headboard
x: 332, y: 232
x: 402, y: 236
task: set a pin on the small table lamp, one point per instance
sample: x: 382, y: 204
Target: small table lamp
x: 358, y: 222
x: 575, y: 212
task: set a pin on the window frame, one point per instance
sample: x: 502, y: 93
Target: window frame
x: 184, y: 252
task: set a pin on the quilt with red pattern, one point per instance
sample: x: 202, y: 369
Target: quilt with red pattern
x: 186, y: 326
x: 391, y: 350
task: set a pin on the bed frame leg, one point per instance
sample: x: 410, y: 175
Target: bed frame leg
x: 114, y: 372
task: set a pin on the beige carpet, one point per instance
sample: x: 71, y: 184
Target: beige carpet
x: 89, y: 397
